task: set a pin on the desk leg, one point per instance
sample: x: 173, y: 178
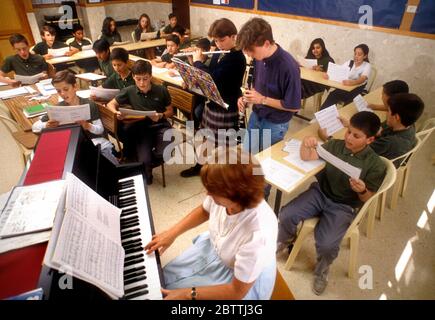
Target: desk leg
x: 277, y: 201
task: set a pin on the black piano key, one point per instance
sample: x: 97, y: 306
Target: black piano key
x: 126, y: 233
x: 133, y: 250
x: 134, y: 275
x: 126, y: 272
x: 136, y: 256
x: 129, y: 210
x: 137, y: 294
x: 123, y: 204
x: 133, y: 280
x: 132, y: 242
x: 136, y: 243
x: 126, y: 193
x: 125, y: 183
x: 129, y: 219
x: 129, y: 225
x: 127, y: 291
x: 132, y: 262
x: 133, y: 235
x: 126, y: 214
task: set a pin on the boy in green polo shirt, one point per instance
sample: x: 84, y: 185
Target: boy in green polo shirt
x: 335, y: 197
x: 143, y: 138
x: 122, y: 76
x: 23, y: 62
x: 102, y: 50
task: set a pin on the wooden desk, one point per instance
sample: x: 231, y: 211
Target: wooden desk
x: 317, y: 77
x: 276, y: 152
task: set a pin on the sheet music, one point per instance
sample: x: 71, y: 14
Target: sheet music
x: 280, y: 175
x: 29, y: 79
x: 132, y: 112
x: 69, y: 114
x: 148, y: 35
x: 58, y: 52
x: 343, y: 166
x: 30, y: 208
x: 361, y: 104
x: 46, y: 88
x: 293, y: 148
x: 309, y: 63
x: 11, y: 93
x: 338, y: 72
x: 328, y: 119
x: 90, y: 76
x: 104, y: 94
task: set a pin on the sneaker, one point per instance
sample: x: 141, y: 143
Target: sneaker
x: 191, y: 172
x: 320, y: 283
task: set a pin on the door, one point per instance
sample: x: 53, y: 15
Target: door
x: 13, y: 19
x: 182, y: 11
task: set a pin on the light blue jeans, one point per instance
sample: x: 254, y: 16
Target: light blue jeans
x: 262, y: 134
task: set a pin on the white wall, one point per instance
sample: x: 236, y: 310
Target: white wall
x: 394, y: 56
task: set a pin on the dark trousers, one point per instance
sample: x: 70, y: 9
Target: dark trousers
x: 334, y: 220
x: 143, y: 141
x: 310, y: 88
x: 340, y: 95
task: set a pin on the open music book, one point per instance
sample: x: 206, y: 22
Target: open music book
x: 85, y: 240
x: 198, y: 79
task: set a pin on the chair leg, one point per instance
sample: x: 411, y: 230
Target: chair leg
x: 395, y: 190
x: 163, y: 175
x: 382, y: 201
x: 297, y: 247
x: 370, y: 219
x: 405, y: 181
x: 354, y: 242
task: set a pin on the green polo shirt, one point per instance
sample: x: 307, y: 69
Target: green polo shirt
x: 335, y: 183
x: 42, y: 47
x: 33, y: 65
x: 106, y: 67
x: 392, y: 144
x: 116, y: 82
x: 156, y: 99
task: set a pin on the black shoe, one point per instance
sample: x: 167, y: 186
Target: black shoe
x: 191, y: 172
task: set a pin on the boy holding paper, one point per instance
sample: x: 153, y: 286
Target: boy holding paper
x: 143, y: 138
x: 66, y: 86
x: 336, y: 197
x: 48, y: 35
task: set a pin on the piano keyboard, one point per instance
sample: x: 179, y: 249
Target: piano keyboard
x: 141, y: 275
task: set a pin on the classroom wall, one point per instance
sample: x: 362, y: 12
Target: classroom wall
x: 394, y: 56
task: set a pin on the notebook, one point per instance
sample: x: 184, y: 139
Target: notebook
x: 36, y: 110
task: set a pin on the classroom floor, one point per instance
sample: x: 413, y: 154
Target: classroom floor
x: 401, y: 254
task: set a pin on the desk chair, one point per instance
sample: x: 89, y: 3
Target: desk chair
x: 182, y: 100
x: 371, y: 80
x: 133, y: 36
x: 353, y: 231
x: 68, y: 41
x: 110, y: 123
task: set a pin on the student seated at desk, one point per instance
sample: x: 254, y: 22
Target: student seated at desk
x: 235, y: 258
x: 122, y: 77
x: 23, y: 62
x: 109, y: 31
x: 91, y: 64
x: 144, y: 26
x: 66, y: 86
x: 172, y: 46
x: 359, y: 73
x: 48, y: 35
x: 388, y: 89
x: 335, y: 198
x: 397, y: 134
x: 143, y: 138
x: 173, y: 26
x: 102, y: 50
x: 317, y: 51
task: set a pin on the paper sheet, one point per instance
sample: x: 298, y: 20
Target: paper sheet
x: 338, y: 72
x: 361, y: 104
x: 31, y: 208
x: 280, y: 175
x: 46, y: 89
x: 104, y: 94
x: 85, y: 94
x: 293, y: 148
x: 90, y: 76
x: 131, y: 112
x: 11, y: 93
x: 157, y: 70
x: 69, y: 114
x: 309, y: 63
x: 58, y: 52
x: 148, y: 35
x: 29, y: 79
x: 343, y: 166
x: 328, y: 119
x: 86, y: 48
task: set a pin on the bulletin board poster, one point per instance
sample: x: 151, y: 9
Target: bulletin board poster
x: 385, y: 13
x: 243, y: 4
x: 424, y: 20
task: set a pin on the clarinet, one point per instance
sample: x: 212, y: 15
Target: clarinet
x: 249, y: 81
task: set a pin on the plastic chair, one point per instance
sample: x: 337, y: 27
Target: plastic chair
x: 133, y: 36
x: 371, y: 80
x: 405, y: 168
x: 352, y: 232
x: 68, y: 41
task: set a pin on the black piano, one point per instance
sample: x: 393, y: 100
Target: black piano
x: 125, y: 187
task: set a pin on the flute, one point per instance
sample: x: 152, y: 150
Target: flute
x: 206, y: 53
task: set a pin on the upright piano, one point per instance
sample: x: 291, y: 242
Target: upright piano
x: 122, y: 185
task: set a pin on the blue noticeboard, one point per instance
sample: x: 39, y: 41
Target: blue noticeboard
x: 424, y: 20
x: 244, y: 4
x: 386, y: 13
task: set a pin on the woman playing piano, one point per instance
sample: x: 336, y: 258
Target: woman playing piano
x: 235, y: 259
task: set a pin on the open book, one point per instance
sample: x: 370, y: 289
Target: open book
x: 197, y: 79
x: 85, y: 240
